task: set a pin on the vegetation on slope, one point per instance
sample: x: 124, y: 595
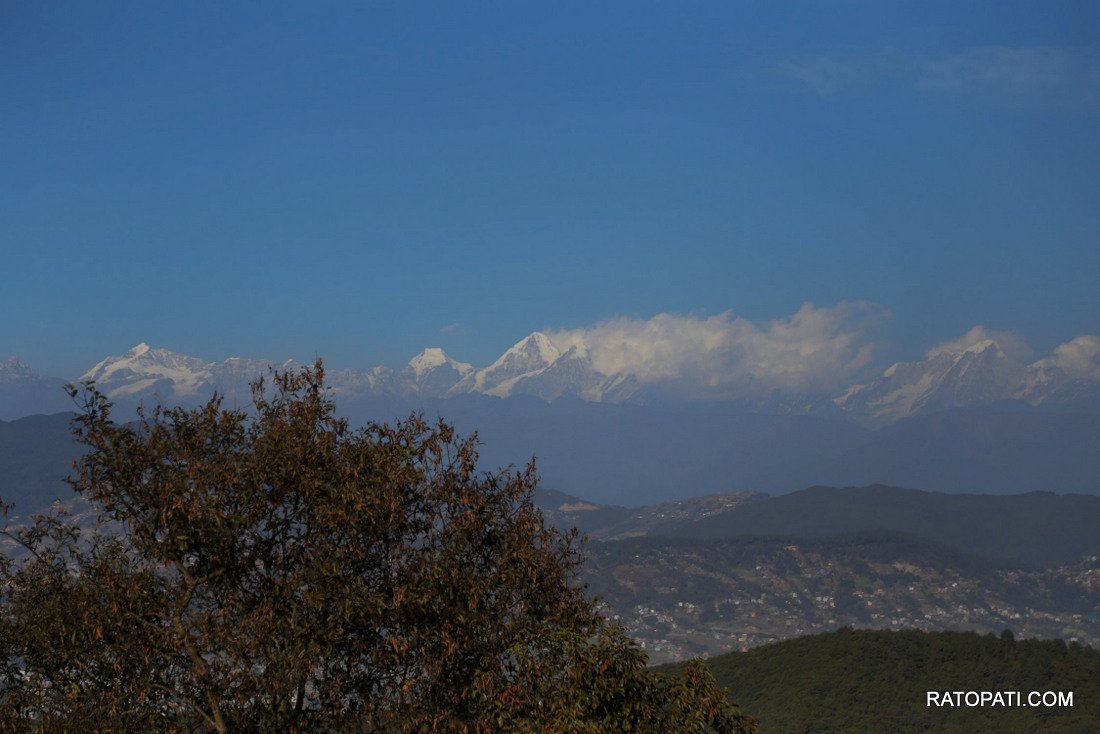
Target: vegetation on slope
x: 278, y: 571
x: 878, y: 681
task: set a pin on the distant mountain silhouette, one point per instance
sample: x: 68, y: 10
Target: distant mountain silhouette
x: 24, y: 391
x: 633, y: 455
x: 997, y: 449
x: 1037, y: 528
x: 36, y: 454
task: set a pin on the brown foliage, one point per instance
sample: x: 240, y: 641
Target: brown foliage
x: 278, y: 571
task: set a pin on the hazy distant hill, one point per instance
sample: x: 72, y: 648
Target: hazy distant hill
x: 622, y: 455
x: 985, y: 449
x: 25, y: 391
x: 610, y: 454
x: 630, y: 455
x: 611, y: 522
x: 638, y: 454
x: 1037, y: 528
x: 36, y: 454
x: 877, y: 681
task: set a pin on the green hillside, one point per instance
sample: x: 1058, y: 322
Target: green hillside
x: 877, y: 681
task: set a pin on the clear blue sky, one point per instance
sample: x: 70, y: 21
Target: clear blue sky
x: 362, y: 180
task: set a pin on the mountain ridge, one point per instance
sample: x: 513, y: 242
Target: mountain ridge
x: 975, y: 370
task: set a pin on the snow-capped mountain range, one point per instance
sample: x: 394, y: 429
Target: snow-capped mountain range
x: 980, y: 373
x: 973, y: 371
x: 532, y: 366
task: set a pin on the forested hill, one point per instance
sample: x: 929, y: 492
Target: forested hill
x: 877, y: 681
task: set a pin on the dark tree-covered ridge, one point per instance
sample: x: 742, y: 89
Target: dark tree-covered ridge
x: 878, y: 681
x: 277, y: 571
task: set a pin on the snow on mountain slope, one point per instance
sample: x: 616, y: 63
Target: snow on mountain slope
x: 376, y: 381
x: 979, y: 368
x: 532, y: 366
x: 434, y: 358
x: 526, y: 357
x: 979, y: 373
x: 15, y: 370
x: 146, y: 373
x: 432, y: 373
x: 1068, y: 376
x: 569, y: 374
x: 572, y: 375
x: 143, y: 369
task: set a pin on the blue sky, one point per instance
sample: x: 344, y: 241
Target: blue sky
x: 359, y: 181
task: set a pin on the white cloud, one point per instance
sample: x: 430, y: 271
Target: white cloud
x: 1012, y: 345
x: 815, y: 350
x: 1016, y: 71
x: 1001, y: 68
x: 1078, y: 358
x: 827, y: 75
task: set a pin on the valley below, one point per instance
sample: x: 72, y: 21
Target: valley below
x: 709, y: 574
x: 682, y: 599
x: 680, y: 588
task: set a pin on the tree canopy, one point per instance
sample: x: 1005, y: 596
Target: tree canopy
x: 275, y: 570
x: 861, y: 680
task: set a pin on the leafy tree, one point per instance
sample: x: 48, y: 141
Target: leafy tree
x: 274, y: 570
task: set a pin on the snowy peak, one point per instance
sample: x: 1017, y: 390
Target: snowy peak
x: 144, y: 369
x: 984, y: 346
x: 983, y: 373
x: 571, y: 374
x: 525, y: 359
x: 952, y: 376
x: 145, y: 372
x: 432, y: 373
x: 434, y: 358
x: 531, y: 353
x: 15, y: 369
x: 1068, y: 376
x: 428, y: 360
x: 979, y: 368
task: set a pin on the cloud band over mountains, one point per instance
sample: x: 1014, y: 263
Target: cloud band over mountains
x: 814, y: 350
x: 1078, y: 358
